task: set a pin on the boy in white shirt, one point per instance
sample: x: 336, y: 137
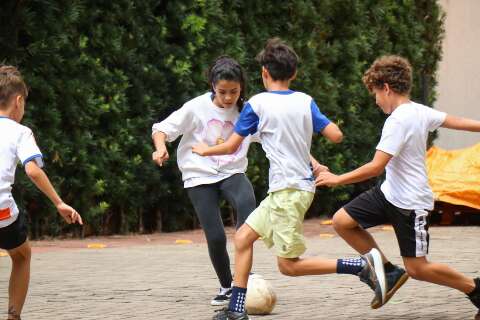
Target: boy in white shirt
x: 18, y: 144
x: 405, y: 198
x: 285, y: 120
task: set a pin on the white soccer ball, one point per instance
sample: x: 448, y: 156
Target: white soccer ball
x: 261, y: 298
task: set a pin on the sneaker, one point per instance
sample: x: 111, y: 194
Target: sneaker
x: 373, y: 274
x: 395, y: 279
x: 223, y: 297
x: 225, y: 314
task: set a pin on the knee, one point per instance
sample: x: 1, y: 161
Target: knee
x: 287, y: 268
x: 22, y: 255
x: 340, y: 221
x: 217, y: 240
x: 242, y: 242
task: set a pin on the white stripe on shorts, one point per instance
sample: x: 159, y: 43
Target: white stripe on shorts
x: 421, y: 242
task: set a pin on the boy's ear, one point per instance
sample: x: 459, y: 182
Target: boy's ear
x: 265, y: 73
x: 386, y: 88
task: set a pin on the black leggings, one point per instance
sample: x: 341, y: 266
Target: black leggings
x: 238, y: 191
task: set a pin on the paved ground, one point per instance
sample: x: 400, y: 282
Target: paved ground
x: 152, y: 277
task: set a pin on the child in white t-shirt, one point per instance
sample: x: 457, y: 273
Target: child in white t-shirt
x: 285, y: 120
x: 211, y: 117
x: 405, y: 198
x: 18, y: 144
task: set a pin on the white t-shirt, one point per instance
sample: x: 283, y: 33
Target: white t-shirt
x: 285, y: 121
x: 200, y: 120
x: 404, y: 136
x: 16, y: 144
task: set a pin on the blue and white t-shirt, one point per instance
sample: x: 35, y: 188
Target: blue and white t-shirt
x: 285, y: 121
x: 16, y: 145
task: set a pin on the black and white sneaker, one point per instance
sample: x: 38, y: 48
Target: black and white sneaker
x: 395, y: 279
x: 373, y: 274
x: 223, y: 297
x: 225, y: 314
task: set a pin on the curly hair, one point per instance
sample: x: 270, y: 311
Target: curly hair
x: 392, y: 70
x: 11, y: 83
x: 279, y: 59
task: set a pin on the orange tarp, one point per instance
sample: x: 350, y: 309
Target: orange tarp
x: 455, y: 175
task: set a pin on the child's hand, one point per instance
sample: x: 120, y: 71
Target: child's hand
x: 160, y: 156
x: 317, y: 168
x: 69, y: 214
x: 200, y: 149
x: 327, y: 179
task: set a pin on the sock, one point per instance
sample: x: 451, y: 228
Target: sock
x: 237, y: 301
x: 389, y: 267
x: 350, y: 266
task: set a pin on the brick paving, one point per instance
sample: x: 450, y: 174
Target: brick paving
x: 152, y: 277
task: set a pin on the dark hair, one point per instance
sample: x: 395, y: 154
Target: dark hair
x: 279, y: 59
x: 393, y: 70
x: 11, y: 83
x: 226, y: 68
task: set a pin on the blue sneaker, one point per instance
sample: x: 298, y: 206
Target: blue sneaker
x: 373, y: 274
x: 395, y: 279
x: 225, y: 314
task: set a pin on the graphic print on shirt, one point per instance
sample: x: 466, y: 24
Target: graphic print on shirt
x: 217, y: 132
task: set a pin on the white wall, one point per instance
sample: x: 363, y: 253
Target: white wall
x: 459, y: 71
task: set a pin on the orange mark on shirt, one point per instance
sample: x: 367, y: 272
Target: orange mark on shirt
x: 5, y: 214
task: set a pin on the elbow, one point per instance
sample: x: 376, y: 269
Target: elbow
x: 231, y: 149
x: 32, y: 172
x: 337, y: 137
x: 376, y: 170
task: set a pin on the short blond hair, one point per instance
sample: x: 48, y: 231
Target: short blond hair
x: 392, y: 70
x: 11, y: 84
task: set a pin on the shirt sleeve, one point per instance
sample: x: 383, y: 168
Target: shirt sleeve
x: 435, y: 119
x: 180, y: 121
x: 27, y: 149
x: 320, y: 121
x: 247, y: 122
x: 393, y: 137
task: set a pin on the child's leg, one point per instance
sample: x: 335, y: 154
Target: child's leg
x: 238, y: 190
x: 205, y: 200
x: 310, y: 266
x: 244, y: 239
x: 19, y: 279
x: 421, y: 269
x: 357, y: 237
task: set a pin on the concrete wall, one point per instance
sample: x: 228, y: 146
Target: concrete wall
x: 459, y: 73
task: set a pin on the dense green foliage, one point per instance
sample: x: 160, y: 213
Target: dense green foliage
x: 102, y: 72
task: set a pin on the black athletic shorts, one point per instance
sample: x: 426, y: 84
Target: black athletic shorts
x: 371, y: 209
x: 15, y: 234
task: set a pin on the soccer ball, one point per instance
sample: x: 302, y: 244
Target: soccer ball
x: 261, y: 298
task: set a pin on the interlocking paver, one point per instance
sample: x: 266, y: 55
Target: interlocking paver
x: 169, y: 281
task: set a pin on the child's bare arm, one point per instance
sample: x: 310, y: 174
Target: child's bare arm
x: 161, y: 153
x: 458, y: 123
x: 333, y: 133
x: 372, y: 169
x: 228, y: 147
x: 40, y: 179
